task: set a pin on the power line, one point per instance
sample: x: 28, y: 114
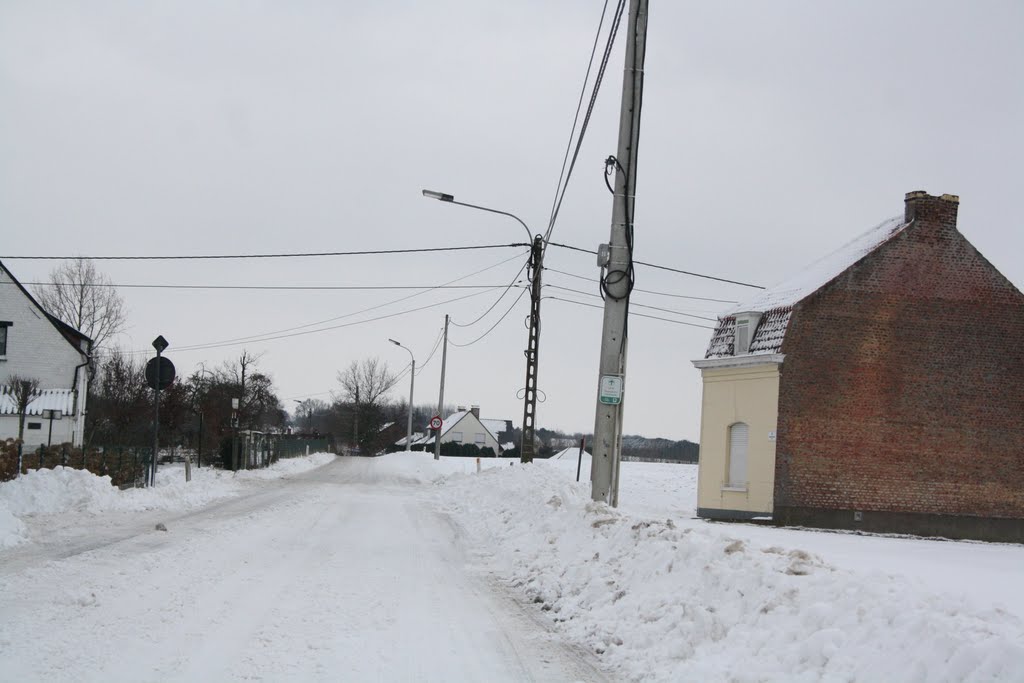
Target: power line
x: 646, y: 291
x: 259, y: 337
x: 654, y: 308
x: 368, y: 252
x: 576, y: 116
x: 217, y: 345
x: 635, y: 315
x: 496, y: 301
x: 254, y: 337
x: 673, y: 270
x: 437, y: 344
x: 504, y: 315
x: 612, y: 32
x: 302, y: 288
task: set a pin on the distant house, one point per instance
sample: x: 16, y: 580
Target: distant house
x: 462, y: 427
x: 36, y: 345
x: 880, y: 389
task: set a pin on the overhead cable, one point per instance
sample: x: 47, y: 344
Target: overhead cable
x: 504, y: 315
x: 646, y: 291
x: 672, y: 270
x: 196, y: 257
x: 635, y: 315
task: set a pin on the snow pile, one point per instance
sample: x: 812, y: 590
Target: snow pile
x: 12, y: 529
x: 415, y: 467
x: 288, y: 466
x: 660, y: 602
x: 64, y: 489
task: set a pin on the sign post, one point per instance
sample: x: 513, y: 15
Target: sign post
x: 159, y: 375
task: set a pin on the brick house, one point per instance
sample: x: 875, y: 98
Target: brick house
x: 880, y: 389
x: 35, y: 344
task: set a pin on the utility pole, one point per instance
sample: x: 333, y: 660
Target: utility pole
x: 617, y: 263
x: 440, y: 397
x: 536, y: 265
x: 526, y: 445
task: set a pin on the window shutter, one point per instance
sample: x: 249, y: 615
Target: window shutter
x: 738, y: 440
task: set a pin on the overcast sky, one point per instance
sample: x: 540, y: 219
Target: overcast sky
x: 772, y: 133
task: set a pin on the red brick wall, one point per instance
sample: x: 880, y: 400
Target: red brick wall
x: 903, y: 384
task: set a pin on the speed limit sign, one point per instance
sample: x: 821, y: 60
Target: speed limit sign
x: 435, y: 422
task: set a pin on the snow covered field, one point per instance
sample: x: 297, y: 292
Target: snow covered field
x: 401, y: 568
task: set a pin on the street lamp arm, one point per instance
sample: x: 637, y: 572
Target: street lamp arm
x: 529, y: 235
x: 450, y: 199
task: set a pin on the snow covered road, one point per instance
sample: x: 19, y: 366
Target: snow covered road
x: 341, y: 573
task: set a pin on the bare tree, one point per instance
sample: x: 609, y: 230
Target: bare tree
x: 364, y: 384
x: 21, y: 389
x: 84, y: 298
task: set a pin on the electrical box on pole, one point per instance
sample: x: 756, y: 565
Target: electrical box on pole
x: 617, y: 270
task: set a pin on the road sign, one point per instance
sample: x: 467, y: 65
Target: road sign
x: 611, y: 390
x: 165, y: 374
x: 435, y: 422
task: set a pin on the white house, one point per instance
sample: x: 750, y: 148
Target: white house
x: 464, y: 427
x: 36, y: 345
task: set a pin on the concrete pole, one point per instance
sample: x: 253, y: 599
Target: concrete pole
x: 607, y: 444
x: 412, y: 387
x: 440, y: 397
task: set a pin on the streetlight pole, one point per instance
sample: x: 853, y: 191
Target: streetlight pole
x: 412, y: 386
x: 536, y: 267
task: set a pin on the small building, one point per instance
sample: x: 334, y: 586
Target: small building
x: 882, y: 389
x: 462, y: 427
x: 36, y: 345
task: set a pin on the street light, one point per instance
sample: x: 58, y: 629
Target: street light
x: 533, y: 342
x: 412, y: 385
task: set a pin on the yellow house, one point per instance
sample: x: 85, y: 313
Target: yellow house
x: 878, y: 389
x: 739, y: 419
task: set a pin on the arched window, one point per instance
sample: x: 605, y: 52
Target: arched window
x: 738, y: 440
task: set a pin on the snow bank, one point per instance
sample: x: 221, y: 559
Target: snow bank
x: 416, y: 467
x: 664, y: 603
x: 287, y: 466
x: 12, y: 529
x: 64, y: 489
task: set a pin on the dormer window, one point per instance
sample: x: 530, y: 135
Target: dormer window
x: 746, y: 325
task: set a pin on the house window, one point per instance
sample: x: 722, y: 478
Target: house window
x: 3, y: 337
x: 35, y: 425
x: 742, y: 336
x: 738, y: 442
x: 480, y: 439
x: 457, y: 437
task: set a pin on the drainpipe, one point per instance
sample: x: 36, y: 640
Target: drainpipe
x: 74, y: 391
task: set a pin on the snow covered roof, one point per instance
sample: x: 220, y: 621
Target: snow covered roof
x: 46, y: 399
x: 495, y: 427
x: 776, y: 303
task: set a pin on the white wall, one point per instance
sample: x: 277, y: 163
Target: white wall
x: 36, y: 349
x: 469, y: 426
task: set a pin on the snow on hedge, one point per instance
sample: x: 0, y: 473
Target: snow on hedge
x: 663, y: 603
x: 67, y: 490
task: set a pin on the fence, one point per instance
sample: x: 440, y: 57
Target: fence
x: 127, y: 466
x: 124, y: 465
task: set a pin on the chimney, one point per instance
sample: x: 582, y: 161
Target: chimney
x: 460, y: 409
x: 476, y: 411
x: 924, y: 208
